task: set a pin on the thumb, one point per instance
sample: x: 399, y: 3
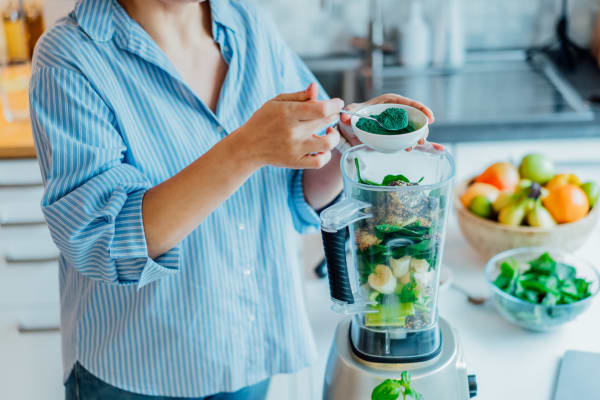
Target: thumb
x: 310, y: 93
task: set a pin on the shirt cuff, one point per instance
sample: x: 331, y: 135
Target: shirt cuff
x: 129, y: 248
x: 305, y: 218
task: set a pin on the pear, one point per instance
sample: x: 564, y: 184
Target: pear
x: 514, y: 213
x: 540, y: 216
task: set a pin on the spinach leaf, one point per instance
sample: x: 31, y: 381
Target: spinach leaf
x: 408, y: 293
x: 544, y: 264
x: 396, y: 389
x: 386, y: 180
x: 390, y: 389
x: 393, y: 178
x: 564, y: 271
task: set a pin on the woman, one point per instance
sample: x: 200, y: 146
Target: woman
x: 172, y: 137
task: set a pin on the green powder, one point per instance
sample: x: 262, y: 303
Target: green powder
x: 394, y: 119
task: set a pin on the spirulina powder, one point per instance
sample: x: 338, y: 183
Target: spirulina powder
x: 395, y: 121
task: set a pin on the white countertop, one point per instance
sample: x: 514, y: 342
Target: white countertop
x: 510, y: 363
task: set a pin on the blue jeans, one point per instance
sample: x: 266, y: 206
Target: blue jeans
x: 82, y: 385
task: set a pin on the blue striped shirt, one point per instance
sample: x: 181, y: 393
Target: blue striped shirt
x: 111, y: 119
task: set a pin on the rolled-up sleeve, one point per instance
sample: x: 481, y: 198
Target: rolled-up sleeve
x: 93, y: 198
x: 304, y: 217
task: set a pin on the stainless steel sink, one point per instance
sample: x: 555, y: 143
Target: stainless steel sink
x: 488, y: 90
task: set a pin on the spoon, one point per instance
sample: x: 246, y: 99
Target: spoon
x: 475, y: 300
x: 370, y: 118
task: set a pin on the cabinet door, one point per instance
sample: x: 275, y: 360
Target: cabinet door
x: 21, y: 205
x: 29, y: 283
x: 30, y: 358
x: 19, y: 243
x: 20, y: 172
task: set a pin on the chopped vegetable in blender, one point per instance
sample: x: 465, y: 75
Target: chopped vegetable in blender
x: 398, y: 254
x: 388, y: 180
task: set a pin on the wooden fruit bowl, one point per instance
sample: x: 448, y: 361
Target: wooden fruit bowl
x: 490, y: 237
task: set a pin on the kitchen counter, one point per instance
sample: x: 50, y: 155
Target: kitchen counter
x: 16, y: 140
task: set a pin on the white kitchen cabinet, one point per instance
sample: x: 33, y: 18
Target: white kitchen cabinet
x: 30, y: 360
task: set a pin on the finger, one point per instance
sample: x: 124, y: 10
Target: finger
x: 321, y: 144
x: 348, y: 134
x: 438, y: 146
x: 315, y: 109
x: 303, y: 95
x: 316, y: 161
x: 345, y: 118
x: 313, y: 91
x: 421, y: 141
x: 317, y: 125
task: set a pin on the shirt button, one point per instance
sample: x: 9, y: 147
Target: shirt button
x: 247, y: 271
x: 251, y: 317
x: 241, y: 227
x: 220, y: 129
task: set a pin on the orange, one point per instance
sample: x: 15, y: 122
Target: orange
x: 567, y: 203
x: 479, y: 189
x: 562, y: 179
x: 502, y: 175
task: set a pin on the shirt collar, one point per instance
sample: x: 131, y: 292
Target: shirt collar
x: 95, y: 17
x: 222, y: 13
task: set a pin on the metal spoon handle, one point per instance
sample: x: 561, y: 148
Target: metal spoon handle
x: 358, y: 115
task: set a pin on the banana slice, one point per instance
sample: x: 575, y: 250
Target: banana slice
x: 400, y: 267
x: 382, y: 279
x: 419, y: 265
x: 423, y: 279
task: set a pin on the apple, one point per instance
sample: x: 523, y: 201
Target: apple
x: 481, y: 206
x: 592, y: 191
x: 537, y: 167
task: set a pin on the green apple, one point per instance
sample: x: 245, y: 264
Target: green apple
x: 592, y: 191
x: 481, y: 206
x: 537, y: 167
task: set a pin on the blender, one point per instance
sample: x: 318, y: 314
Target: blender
x: 394, y: 212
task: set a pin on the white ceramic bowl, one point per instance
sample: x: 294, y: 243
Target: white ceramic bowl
x: 391, y: 143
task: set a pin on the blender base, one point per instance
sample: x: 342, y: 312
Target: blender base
x: 443, y: 378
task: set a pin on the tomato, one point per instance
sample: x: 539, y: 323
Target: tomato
x: 567, y: 203
x: 502, y: 175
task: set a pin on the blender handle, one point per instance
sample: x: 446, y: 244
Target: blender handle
x: 334, y: 244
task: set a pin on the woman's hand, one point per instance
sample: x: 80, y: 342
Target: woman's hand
x: 346, y: 129
x: 283, y: 131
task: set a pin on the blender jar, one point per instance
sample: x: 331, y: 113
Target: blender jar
x: 395, y: 212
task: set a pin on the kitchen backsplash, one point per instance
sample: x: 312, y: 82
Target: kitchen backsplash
x: 313, y: 30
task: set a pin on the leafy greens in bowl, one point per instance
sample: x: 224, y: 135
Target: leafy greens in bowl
x: 540, y: 289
